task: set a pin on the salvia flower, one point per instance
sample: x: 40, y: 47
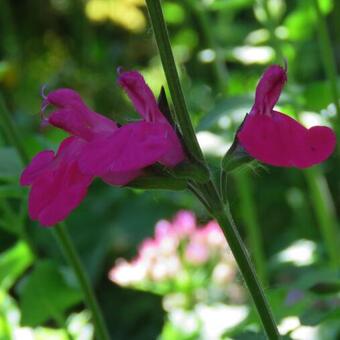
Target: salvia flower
x: 97, y: 147
x: 277, y: 139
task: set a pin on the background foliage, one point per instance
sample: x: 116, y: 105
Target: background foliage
x: 222, y: 47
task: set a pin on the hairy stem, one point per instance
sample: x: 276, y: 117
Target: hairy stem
x: 169, y: 66
x: 208, y: 190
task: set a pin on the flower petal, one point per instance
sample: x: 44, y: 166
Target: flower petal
x: 73, y: 116
x: 38, y: 165
x: 60, y: 186
x: 279, y: 140
x: 141, y: 96
x: 269, y: 89
x: 120, y: 178
x: 56, y: 193
x: 175, y: 153
x: 132, y: 147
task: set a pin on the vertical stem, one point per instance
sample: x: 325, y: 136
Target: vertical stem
x: 203, y: 21
x: 10, y: 131
x: 242, y: 258
x: 271, y: 26
x: 70, y: 253
x: 208, y: 189
x: 168, y: 62
x: 327, y: 56
x: 60, y: 232
x: 251, y: 223
x: 325, y: 212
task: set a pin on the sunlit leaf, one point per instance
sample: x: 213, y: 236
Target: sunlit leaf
x: 13, y: 263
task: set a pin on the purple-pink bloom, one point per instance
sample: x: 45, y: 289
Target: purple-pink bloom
x: 97, y: 147
x: 139, y: 144
x: 277, y: 139
x: 57, y: 184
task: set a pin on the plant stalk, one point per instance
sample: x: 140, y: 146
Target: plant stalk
x: 169, y: 66
x: 71, y: 254
x: 249, y: 216
x: 221, y: 212
x: 62, y: 236
x: 327, y: 55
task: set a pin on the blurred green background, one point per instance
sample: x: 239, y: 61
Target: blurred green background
x: 288, y: 217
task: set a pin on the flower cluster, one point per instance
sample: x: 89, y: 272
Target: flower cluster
x: 181, y: 257
x: 97, y: 147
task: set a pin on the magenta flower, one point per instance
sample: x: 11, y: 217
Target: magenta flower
x: 135, y: 145
x: 57, y: 184
x: 97, y: 147
x: 277, y: 139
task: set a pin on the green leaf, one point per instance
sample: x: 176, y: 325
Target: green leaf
x: 300, y: 23
x: 13, y: 263
x: 226, y: 107
x: 158, y: 182
x: 193, y: 171
x: 230, y: 4
x: 319, y: 312
x: 46, y: 294
x: 326, y: 287
x: 10, y: 164
x: 11, y: 191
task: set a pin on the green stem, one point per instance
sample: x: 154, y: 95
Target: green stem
x: 325, y: 212
x: 210, y: 194
x: 223, y: 185
x: 253, y: 229
x: 219, y: 69
x: 247, y: 269
x: 327, y: 56
x: 61, y: 233
x: 168, y: 62
x: 10, y: 131
x: 271, y: 26
x: 221, y: 212
x: 71, y: 254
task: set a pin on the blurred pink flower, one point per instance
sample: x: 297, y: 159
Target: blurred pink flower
x: 277, y: 139
x: 178, y: 247
x: 184, y: 223
x: 197, y: 252
x: 98, y: 147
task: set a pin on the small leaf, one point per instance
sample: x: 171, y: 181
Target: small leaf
x: 320, y: 310
x: 193, y: 171
x: 322, y: 288
x: 164, y: 107
x: 46, y: 294
x: 158, y: 182
x: 236, y: 156
x: 10, y: 164
x: 13, y: 263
